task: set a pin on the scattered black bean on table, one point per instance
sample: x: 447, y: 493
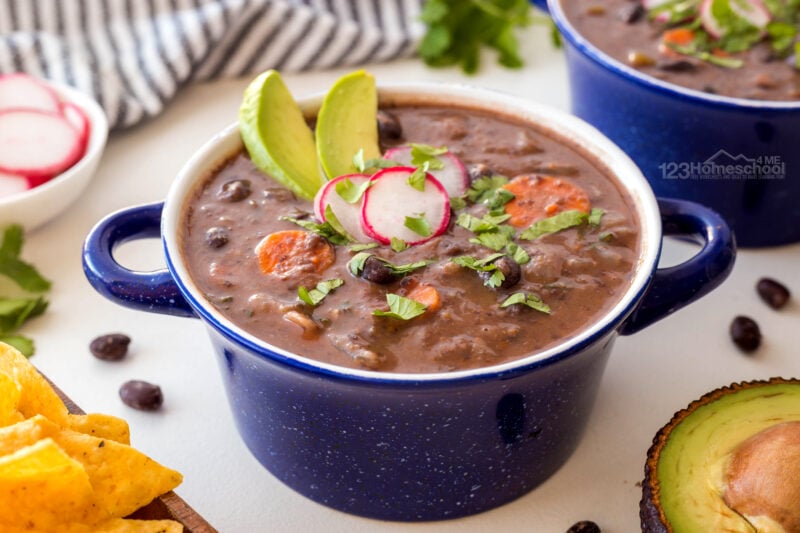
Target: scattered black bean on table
x: 745, y: 333
x: 774, y: 293
x: 110, y: 347
x: 584, y: 526
x: 141, y: 395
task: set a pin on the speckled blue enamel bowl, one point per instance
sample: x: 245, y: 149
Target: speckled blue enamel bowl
x: 738, y: 156
x: 416, y: 446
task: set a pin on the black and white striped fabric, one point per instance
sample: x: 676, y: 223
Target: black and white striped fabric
x: 132, y: 56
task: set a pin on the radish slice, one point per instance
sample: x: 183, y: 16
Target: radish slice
x: 652, y: 4
x: 348, y: 215
x: 20, y: 91
x: 453, y: 176
x: 12, y: 184
x: 36, y: 143
x: 77, y: 117
x: 710, y: 23
x: 390, y: 200
x: 753, y: 11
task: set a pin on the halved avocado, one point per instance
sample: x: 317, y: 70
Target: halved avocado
x: 728, y: 462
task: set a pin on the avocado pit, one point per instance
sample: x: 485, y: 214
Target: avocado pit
x: 763, y: 477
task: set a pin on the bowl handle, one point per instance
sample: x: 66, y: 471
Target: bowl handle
x: 674, y: 287
x: 154, y: 291
x: 541, y: 4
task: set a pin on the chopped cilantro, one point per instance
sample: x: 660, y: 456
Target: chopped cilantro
x: 418, y: 225
x: 363, y: 165
x: 326, y: 230
x: 361, y: 246
x: 457, y: 29
x: 401, y: 308
x: 561, y: 221
x: 356, y: 264
x: 14, y: 312
x: 418, y: 177
x: 484, y: 188
x: 314, y: 296
x: 425, y: 153
x: 530, y: 300
x: 349, y: 191
x: 485, y: 264
x: 397, y: 244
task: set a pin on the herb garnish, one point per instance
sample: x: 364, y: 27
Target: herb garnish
x: 722, y: 28
x: 326, y: 229
x: 314, y: 296
x: 349, y: 191
x: 425, y: 153
x: 356, y: 264
x: 457, y: 29
x: 418, y: 225
x: 484, y: 189
x: 418, y: 177
x: 531, y: 300
x: 14, y: 312
x: 489, y: 229
x: 485, y: 264
x: 401, y: 307
x: 561, y: 221
x: 363, y: 165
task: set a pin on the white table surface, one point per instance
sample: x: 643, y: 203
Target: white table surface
x: 650, y: 375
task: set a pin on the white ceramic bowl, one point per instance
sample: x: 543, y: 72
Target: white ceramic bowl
x: 36, y: 206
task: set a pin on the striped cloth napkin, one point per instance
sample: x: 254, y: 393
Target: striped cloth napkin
x: 132, y: 56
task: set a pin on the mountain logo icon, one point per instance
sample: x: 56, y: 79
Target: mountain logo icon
x: 722, y: 157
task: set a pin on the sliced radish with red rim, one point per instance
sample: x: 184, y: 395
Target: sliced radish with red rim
x: 453, y: 176
x: 77, y: 117
x: 20, y: 91
x: 391, y: 205
x: 36, y: 143
x: 12, y: 184
x: 753, y: 11
x: 348, y: 214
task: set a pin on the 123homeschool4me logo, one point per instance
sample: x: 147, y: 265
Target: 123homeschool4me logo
x: 724, y: 166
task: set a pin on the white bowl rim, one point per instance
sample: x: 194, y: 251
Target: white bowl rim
x: 98, y: 135
x: 589, y: 49
x: 563, y: 125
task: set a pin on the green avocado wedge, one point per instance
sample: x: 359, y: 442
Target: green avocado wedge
x: 347, y: 123
x: 277, y: 137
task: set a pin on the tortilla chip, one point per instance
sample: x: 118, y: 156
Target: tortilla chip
x: 42, y: 487
x: 101, y: 426
x: 37, y: 396
x: 10, y: 392
x: 123, y: 478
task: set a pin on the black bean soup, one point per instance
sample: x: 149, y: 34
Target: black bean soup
x: 578, y: 272
x: 624, y: 30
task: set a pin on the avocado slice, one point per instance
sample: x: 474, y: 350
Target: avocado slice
x: 347, y: 123
x: 706, y: 467
x: 277, y: 137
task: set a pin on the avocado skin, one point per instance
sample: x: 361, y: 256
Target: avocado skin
x: 651, y: 516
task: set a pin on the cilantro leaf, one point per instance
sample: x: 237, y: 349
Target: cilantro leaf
x: 326, y: 230
x: 530, y: 300
x: 356, y: 264
x: 483, y: 189
x: 401, y: 307
x: 485, y: 264
x: 418, y: 225
x: 457, y: 29
x: 561, y: 221
x: 349, y: 191
x: 314, y: 296
x: 418, y: 177
x: 422, y: 154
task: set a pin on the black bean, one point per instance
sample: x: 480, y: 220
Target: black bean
x: 377, y: 271
x: 773, y: 292
x: 388, y: 126
x: 141, y: 395
x: 710, y: 89
x: 745, y: 333
x: 216, y: 237
x: 679, y: 65
x: 111, y: 347
x: 478, y: 171
x: 584, y: 526
x: 632, y: 13
x: 511, y: 271
x: 234, y: 191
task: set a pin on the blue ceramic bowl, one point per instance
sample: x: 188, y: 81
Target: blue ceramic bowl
x: 737, y: 156
x: 415, y: 446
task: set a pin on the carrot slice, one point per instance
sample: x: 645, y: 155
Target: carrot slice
x: 678, y: 36
x: 423, y: 293
x: 290, y: 252
x: 538, y: 197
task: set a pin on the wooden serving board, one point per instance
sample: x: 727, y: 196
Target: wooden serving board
x: 167, y: 506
